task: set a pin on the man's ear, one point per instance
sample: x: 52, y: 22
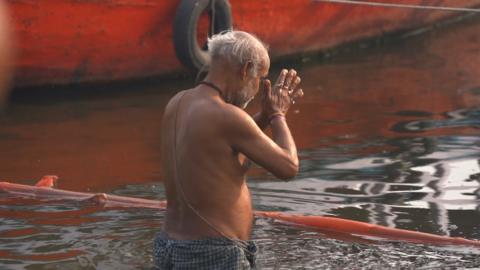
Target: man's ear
x: 246, y: 70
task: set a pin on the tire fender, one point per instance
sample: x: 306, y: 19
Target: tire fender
x: 187, y: 49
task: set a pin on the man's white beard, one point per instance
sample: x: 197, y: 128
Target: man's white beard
x: 245, y: 104
x: 243, y: 99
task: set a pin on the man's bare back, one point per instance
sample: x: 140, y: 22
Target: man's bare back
x: 211, y: 173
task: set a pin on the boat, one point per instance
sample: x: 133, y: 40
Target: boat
x: 71, y: 41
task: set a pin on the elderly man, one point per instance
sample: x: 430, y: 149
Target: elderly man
x: 207, y: 142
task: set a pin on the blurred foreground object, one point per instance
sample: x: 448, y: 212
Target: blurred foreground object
x: 6, y: 54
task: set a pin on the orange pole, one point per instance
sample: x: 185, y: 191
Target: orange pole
x: 362, y: 228
x: 43, y: 190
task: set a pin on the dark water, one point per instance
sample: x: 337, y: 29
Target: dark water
x: 387, y: 135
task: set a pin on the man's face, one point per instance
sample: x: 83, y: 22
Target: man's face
x: 252, y: 86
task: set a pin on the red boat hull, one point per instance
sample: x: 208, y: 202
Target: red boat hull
x: 70, y: 41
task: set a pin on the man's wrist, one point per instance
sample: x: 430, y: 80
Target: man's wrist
x: 263, y: 116
x: 275, y: 116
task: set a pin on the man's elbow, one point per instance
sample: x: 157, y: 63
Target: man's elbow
x: 289, y: 172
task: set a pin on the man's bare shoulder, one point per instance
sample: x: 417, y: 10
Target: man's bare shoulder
x: 238, y: 123
x: 174, y: 100
x: 235, y: 116
x: 231, y: 117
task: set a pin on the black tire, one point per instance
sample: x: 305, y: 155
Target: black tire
x: 187, y: 49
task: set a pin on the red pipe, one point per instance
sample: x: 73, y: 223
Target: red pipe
x: 362, y: 228
x: 44, y: 189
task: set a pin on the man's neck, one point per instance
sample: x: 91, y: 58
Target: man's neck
x: 222, y: 82
x: 218, y: 82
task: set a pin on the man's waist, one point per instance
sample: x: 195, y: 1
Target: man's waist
x: 195, y: 227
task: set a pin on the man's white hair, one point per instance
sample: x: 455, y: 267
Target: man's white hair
x: 238, y: 47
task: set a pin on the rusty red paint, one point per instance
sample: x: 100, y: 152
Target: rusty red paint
x: 65, y: 41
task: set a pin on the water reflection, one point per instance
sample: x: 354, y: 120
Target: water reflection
x: 104, y: 239
x: 387, y: 136
x: 466, y: 118
x: 423, y: 178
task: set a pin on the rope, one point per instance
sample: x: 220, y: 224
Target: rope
x: 394, y: 5
x: 177, y: 180
x: 212, y: 26
x: 180, y: 187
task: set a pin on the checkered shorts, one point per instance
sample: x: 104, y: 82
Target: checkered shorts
x: 208, y: 253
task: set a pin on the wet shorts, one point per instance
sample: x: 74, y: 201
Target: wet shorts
x: 208, y: 253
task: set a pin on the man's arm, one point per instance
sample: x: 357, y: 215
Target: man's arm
x: 261, y: 119
x: 278, y: 156
x: 283, y: 138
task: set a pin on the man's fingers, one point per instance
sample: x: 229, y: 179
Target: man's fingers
x: 281, y: 79
x: 294, y: 84
x: 297, y: 94
x: 263, y: 92
x: 268, y: 88
x: 290, y: 78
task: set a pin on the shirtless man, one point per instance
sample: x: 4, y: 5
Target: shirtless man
x: 207, y: 143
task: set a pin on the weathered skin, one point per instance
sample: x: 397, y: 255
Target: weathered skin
x: 213, y: 141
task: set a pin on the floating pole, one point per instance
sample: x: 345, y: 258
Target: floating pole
x: 44, y: 190
x: 361, y: 228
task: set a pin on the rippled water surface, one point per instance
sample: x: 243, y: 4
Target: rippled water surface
x: 387, y: 135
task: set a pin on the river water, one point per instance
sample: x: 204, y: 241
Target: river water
x: 387, y: 135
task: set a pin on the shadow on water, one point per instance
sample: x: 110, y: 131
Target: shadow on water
x: 387, y: 135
